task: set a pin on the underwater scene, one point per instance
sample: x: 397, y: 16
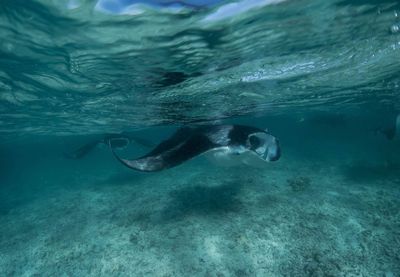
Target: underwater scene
x: 200, y: 138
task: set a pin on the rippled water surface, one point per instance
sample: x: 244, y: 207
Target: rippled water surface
x: 89, y: 67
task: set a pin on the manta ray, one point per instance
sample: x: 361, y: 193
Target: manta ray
x: 219, y: 140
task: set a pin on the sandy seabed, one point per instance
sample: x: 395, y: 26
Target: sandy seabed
x: 298, y: 218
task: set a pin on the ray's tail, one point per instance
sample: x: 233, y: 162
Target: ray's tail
x: 82, y: 151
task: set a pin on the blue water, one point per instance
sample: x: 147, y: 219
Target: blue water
x: 322, y: 76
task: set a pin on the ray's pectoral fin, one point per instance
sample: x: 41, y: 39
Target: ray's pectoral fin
x: 168, y: 154
x: 146, y: 164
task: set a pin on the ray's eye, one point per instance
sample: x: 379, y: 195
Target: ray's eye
x: 254, y: 142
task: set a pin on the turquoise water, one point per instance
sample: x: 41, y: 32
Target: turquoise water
x: 322, y: 76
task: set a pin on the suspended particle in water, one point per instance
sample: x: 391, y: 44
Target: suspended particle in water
x: 395, y: 28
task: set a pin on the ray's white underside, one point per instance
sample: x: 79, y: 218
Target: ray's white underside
x: 227, y: 156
